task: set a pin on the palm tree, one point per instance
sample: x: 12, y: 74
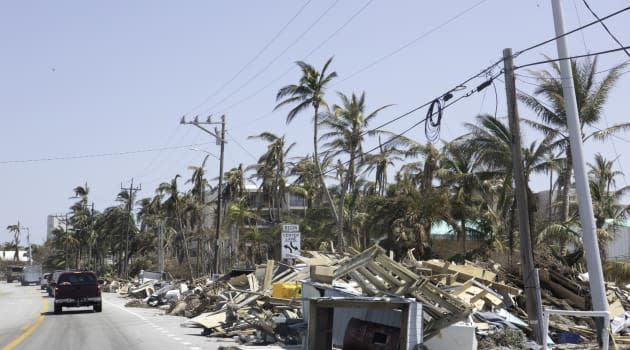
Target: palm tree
x: 461, y: 166
x: 606, y: 200
x: 198, y: 191
x: 591, y: 97
x: 348, y: 123
x: 309, y: 92
x: 174, y: 213
x: 387, y: 155
x: 16, y: 239
x: 271, y: 170
x: 234, y: 187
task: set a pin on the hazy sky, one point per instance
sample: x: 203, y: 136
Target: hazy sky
x: 92, y: 92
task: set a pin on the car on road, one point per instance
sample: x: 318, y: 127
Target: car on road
x: 76, y: 289
x: 31, y: 274
x: 14, y: 272
x: 44, y: 282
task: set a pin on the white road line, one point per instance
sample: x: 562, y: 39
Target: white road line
x: 178, y: 339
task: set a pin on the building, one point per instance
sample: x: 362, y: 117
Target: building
x: 9, y: 255
x: 52, y: 222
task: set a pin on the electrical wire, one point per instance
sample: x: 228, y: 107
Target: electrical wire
x: 257, y: 92
x: 100, y: 155
x: 579, y: 20
x: 293, y: 43
x: 413, y: 41
x: 572, y: 57
x: 241, y: 146
x: 518, y: 53
x: 605, y: 27
x: 253, y: 59
x: 403, y: 47
x: 446, y: 96
x: 429, y: 116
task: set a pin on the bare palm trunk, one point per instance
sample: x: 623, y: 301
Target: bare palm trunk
x: 340, y: 238
x: 186, y: 248
x: 564, y: 214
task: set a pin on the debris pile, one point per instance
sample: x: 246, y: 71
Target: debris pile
x: 271, y: 304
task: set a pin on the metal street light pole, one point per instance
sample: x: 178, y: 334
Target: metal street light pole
x: 220, y: 141
x: 585, y: 206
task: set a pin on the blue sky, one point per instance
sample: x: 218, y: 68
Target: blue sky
x: 100, y: 87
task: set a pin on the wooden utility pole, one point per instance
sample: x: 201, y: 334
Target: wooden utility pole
x: 131, y: 190
x: 530, y: 274
x: 220, y: 138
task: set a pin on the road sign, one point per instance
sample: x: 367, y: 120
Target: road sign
x: 290, y: 241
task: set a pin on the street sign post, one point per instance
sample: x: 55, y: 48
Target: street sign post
x: 290, y: 241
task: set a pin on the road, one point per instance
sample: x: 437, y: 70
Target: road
x: 27, y: 322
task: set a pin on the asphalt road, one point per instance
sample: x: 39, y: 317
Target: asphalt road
x: 27, y: 322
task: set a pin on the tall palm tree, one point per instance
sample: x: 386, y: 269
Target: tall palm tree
x: 591, y: 97
x: 174, y: 213
x: 605, y: 195
x: 348, y: 124
x: 309, y: 92
x: 272, y: 172
x: 460, y: 174
x: 234, y: 187
x: 15, y: 229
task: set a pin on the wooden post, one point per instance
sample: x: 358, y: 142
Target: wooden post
x: 532, y: 295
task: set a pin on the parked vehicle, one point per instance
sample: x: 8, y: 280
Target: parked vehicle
x: 44, y: 282
x: 76, y: 289
x: 31, y: 274
x: 14, y: 272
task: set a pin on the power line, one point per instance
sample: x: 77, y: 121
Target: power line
x: 99, y: 155
x: 447, y: 95
x: 572, y: 57
x: 428, y: 117
x: 256, y: 56
x: 277, y: 57
x: 345, y: 24
x: 518, y: 53
x: 241, y: 146
x: 412, y: 42
x: 605, y: 27
x: 577, y: 14
x: 364, y: 68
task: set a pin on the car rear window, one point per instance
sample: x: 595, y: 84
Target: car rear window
x: 77, y: 278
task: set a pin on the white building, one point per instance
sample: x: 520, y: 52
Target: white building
x: 9, y: 255
x: 52, y: 222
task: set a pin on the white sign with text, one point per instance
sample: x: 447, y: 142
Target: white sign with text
x: 290, y: 241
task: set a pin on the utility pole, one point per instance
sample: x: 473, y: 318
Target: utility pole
x: 220, y: 138
x: 28, y: 242
x: 132, y: 190
x: 161, y: 248
x: 66, y: 248
x: 90, y: 232
x: 530, y: 274
x: 589, y: 235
